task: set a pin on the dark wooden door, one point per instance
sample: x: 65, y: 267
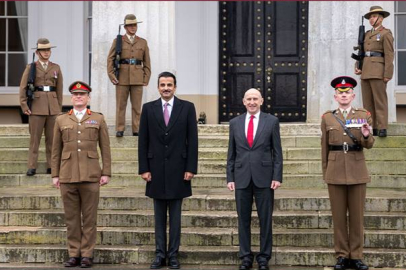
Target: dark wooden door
x: 263, y: 45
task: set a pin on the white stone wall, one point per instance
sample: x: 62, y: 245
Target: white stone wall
x: 158, y: 28
x: 333, y: 31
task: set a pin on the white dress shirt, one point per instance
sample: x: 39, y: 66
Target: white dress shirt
x: 170, y: 105
x: 79, y: 114
x: 44, y: 63
x: 256, y: 121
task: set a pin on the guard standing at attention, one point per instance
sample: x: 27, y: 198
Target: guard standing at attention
x: 377, y: 69
x: 41, y: 92
x: 77, y: 172
x: 129, y: 69
x: 346, y: 131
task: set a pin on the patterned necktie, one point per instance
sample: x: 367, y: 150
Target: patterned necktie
x: 345, y: 114
x: 250, y: 131
x: 166, y: 113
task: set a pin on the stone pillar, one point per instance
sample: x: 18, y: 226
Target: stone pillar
x: 333, y: 31
x: 158, y: 28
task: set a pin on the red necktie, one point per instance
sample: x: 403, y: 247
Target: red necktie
x: 250, y: 131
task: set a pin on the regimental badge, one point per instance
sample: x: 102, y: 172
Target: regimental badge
x: 78, y: 85
x: 378, y: 37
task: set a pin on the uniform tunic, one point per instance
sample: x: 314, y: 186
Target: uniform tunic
x: 45, y: 107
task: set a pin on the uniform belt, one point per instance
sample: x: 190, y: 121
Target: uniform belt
x: 373, y: 54
x: 131, y: 61
x: 45, y: 88
x: 345, y: 147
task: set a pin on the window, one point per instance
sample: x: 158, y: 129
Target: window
x: 13, y: 42
x: 88, y: 39
x: 400, y: 42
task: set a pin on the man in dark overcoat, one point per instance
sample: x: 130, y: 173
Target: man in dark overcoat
x: 167, y: 152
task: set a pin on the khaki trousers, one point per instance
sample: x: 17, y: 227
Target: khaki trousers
x: 80, y: 201
x: 37, y: 124
x: 122, y: 92
x: 375, y: 100
x: 348, y: 239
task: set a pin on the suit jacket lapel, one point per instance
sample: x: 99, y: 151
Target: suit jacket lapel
x: 261, y: 125
x: 159, y: 114
x: 241, y: 128
x: 177, y: 108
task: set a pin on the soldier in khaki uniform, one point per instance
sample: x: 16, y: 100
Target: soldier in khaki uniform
x: 134, y: 73
x: 377, y: 69
x: 345, y: 171
x: 76, y: 171
x: 47, y: 103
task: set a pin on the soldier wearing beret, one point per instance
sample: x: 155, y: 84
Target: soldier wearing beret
x: 377, y: 69
x: 345, y: 132
x: 133, y: 74
x: 46, y: 105
x: 77, y: 172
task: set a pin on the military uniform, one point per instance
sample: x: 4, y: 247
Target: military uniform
x: 379, y: 44
x: 47, y: 104
x: 345, y: 172
x: 134, y: 73
x: 75, y: 161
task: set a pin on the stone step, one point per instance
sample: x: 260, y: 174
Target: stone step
x: 30, y: 198
x: 218, y: 141
x: 219, y: 167
x: 197, y: 255
x: 289, y: 154
x: 390, y: 239
x: 305, y: 181
x: 397, y: 129
x: 204, y: 219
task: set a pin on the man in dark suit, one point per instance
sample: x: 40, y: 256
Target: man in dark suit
x: 167, y: 152
x: 254, y: 169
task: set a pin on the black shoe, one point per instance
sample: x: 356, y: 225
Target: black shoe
x: 382, y: 133
x: 245, y: 264
x: 375, y: 132
x: 49, y: 171
x: 358, y: 265
x: 173, y: 263
x: 119, y: 133
x: 86, y: 262
x: 72, y: 262
x: 158, y: 263
x: 31, y: 172
x: 342, y: 263
x: 135, y: 133
x: 263, y: 265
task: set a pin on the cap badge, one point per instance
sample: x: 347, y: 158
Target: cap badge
x: 343, y: 82
x: 78, y: 85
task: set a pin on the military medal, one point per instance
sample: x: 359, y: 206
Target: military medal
x: 378, y: 37
x: 55, y: 75
x: 355, y: 123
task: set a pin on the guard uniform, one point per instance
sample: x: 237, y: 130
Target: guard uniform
x: 345, y: 172
x: 134, y: 73
x: 75, y: 161
x: 47, y: 104
x: 378, y: 64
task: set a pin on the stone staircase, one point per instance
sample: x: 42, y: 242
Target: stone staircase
x: 32, y: 228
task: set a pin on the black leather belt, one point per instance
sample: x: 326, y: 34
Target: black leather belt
x: 45, y: 88
x: 131, y: 61
x: 345, y: 147
x: 373, y: 54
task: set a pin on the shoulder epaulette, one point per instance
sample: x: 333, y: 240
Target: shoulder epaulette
x: 327, y: 112
x: 360, y: 109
